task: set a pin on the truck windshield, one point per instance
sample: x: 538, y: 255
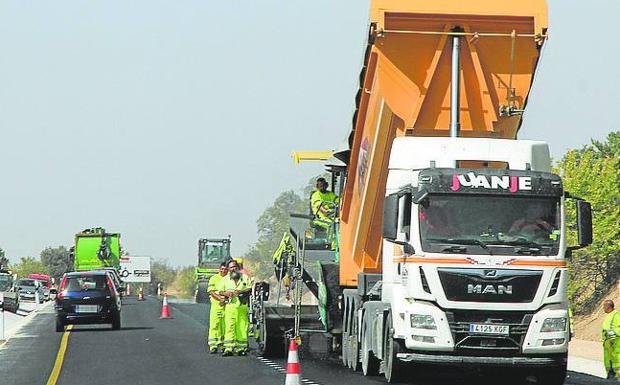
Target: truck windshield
x: 504, y: 225
x: 5, y: 282
x: 212, y: 253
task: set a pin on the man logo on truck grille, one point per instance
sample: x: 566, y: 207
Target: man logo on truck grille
x: 489, y: 289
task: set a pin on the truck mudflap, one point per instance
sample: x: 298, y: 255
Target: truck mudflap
x: 487, y: 361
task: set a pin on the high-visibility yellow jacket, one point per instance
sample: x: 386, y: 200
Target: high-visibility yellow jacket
x: 212, y: 286
x: 319, y: 197
x: 611, y: 326
x: 228, y: 284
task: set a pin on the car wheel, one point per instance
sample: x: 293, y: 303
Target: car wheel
x: 116, y: 321
x: 60, y: 325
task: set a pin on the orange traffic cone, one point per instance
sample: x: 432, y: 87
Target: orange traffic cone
x: 293, y: 370
x: 141, y: 294
x: 165, y: 309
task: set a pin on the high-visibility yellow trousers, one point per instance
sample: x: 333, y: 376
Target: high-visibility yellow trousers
x: 241, y: 329
x: 216, y: 326
x: 236, y: 321
x: 611, y: 354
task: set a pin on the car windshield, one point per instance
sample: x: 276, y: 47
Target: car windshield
x: 85, y: 283
x: 26, y: 282
x: 491, y: 224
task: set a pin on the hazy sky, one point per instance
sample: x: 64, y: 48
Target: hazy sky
x: 168, y: 121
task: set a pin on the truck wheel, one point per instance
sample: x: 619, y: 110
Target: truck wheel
x: 345, y: 349
x: 60, y: 325
x: 354, y: 353
x: 201, y: 292
x: 552, y: 376
x: 370, y: 363
x: 393, y: 367
x: 116, y: 321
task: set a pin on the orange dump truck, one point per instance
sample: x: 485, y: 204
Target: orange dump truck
x: 451, y: 239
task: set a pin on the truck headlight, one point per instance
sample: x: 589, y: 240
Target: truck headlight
x: 422, y: 321
x: 554, y: 325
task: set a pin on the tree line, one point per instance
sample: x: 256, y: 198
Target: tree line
x: 53, y: 261
x: 592, y: 172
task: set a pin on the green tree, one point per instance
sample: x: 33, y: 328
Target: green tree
x: 29, y: 265
x: 272, y: 224
x: 56, y: 261
x: 593, y: 173
x: 185, y: 281
x: 161, y: 271
x: 4, y: 261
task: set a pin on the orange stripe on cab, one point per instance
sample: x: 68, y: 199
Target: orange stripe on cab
x: 471, y: 261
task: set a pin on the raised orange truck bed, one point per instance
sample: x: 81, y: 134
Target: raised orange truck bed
x: 406, y: 90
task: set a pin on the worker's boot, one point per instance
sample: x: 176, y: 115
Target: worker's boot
x: 242, y: 353
x: 213, y: 350
x: 227, y: 353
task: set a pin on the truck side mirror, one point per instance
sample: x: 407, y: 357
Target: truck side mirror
x: 420, y: 196
x: 584, y: 223
x: 390, y: 217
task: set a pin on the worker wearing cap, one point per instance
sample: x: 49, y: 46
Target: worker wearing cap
x: 216, y: 312
x: 323, y: 204
x: 236, y: 289
x: 610, y: 336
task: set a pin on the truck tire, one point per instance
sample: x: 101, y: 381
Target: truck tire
x: 60, y: 325
x: 370, y: 363
x: 345, y: 349
x: 552, y: 376
x: 354, y: 353
x: 201, y: 292
x: 116, y: 321
x: 393, y: 367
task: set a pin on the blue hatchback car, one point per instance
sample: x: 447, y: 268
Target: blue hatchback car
x: 88, y: 297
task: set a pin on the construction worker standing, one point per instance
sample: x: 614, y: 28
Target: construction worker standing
x: 236, y: 288
x: 610, y: 335
x: 216, y: 312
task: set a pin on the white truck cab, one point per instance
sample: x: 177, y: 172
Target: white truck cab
x: 474, y: 259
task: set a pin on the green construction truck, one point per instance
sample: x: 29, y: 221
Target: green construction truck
x: 96, y: 249
x: 211, y: 253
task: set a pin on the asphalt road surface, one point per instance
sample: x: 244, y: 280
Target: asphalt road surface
x: 151, y: 351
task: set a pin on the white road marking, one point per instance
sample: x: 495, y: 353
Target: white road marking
x: 278, y: 368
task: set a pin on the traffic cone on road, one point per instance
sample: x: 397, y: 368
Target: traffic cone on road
x: 293, y: 370
x: 165, y: 309
x: 141, y: 294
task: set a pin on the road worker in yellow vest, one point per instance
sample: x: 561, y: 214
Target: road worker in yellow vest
x: 236, y: 289
x: 323, y: 203
x: 216, y: 313
x: 610, y: 336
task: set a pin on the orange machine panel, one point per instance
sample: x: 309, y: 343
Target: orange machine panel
x: 405, y: 90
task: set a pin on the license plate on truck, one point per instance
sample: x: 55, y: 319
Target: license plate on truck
x: 489, y: 329
x: 86, y: 309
